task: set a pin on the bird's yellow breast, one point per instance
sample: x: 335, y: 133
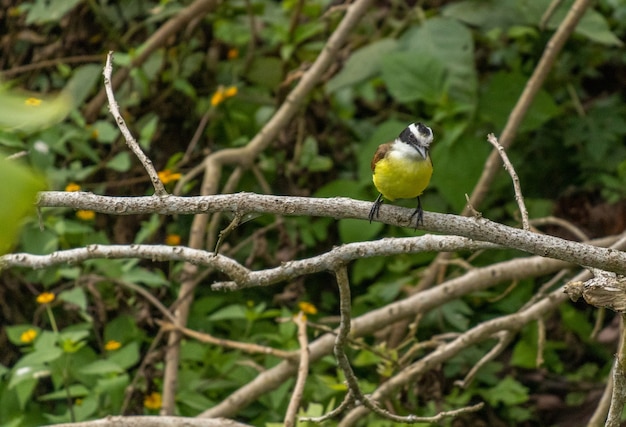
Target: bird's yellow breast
x: 399, y: 177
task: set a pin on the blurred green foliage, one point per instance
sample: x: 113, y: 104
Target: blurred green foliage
x: 460, y: 67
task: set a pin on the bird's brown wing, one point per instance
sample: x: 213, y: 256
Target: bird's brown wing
x: 380, y: 153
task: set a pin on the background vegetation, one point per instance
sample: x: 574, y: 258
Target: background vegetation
x: 460, y: 66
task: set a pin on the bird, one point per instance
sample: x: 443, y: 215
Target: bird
x: 402, y: 168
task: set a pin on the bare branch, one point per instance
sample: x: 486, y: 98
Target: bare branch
x: 154, y: 421
x: 159, y: 189
x: 340, y: 207
x: 221, y: 342
x: 303, y: 371
x: 618, y: 397
x: 516, y: 185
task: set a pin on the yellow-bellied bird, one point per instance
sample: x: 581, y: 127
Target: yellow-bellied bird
x: 402, y: 168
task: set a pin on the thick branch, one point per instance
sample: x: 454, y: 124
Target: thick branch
x: 340, y: 207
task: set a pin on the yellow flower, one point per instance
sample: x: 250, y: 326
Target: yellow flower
x: 45, y: 298
x: 307, y: 307
x: 222, y: 93
x: 112, y: 345
x: 71, y: 187
x: 153, y: 400
x: 166, y: 176
x: 230, y: 91
x: 172, y: 239
x: 28, y: 336
x: 233, y: 53
x: 85, y: 215
x: 33, y: 102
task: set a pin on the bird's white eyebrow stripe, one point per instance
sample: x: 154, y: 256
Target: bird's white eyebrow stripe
x: 414, y: 130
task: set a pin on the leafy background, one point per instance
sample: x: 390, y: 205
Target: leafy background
x: 459, y: 66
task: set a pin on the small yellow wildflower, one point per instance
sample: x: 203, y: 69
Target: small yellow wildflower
x: 230, y: 91
x: 222, y: 94
x: 33, y: 102
x: 71, y: 187
x: 28, y: 336
x: 166, y: 176
x: 45, y: 298
x: 85, y: 215
x: 153, y: 400
x: 78, y: 401
x: 307, y: 307
x: 233, y: 53
x: 112, y: 345
x: 172, y: 239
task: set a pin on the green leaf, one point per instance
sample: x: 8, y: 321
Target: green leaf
x: 507, y: 392
x: 457, y: 168
x: 82, y: 82
x: 120, y: 162
x: 485, y: 14
x: 11, y: 140
x: 152, y: 278
x: 363, y: 64
x: 127, y: 356
x: 101, y: 368
x: 14, y: 333
x: 123, y: 329
x: 452, y: 44
x: 31, y: 112
x: 148, y: 129
x: 231, y: 312
x: 265, y: 71
x: 410, y: 77
x: 106, y: 132
x: 17, y: 196
x: 29, y: 373
x: 357, y: 230
x: 75, y: 296
x: 75, y: 390
x: 43, y: 12
x: 501, y: 94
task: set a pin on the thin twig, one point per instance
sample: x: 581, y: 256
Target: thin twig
x: 602, y: 408
x: 563, y: 223
x: 504, y: 338
x: 225, y: 343
x: 303, y: 371
x: 541, y: 341
x: 341, y: 341
x: 618, y: 397
x: 554, y: 5
x: 516, y: 185
x: 159, y: 189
